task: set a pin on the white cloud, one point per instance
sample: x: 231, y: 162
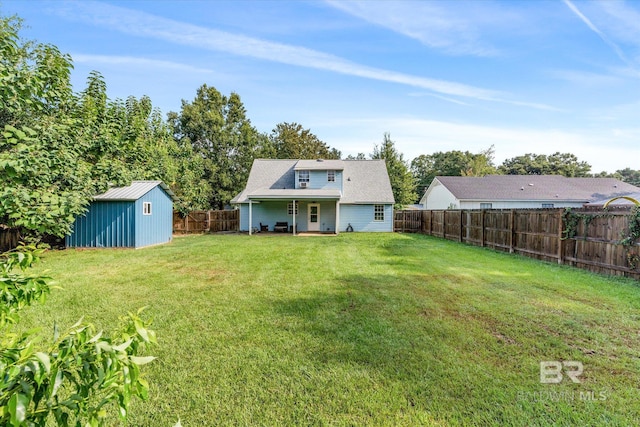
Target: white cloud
x: 145, y: 25
x: 607, y: 150
x: 431, y: 23
x: 135, y: 62
x: 597, y: 30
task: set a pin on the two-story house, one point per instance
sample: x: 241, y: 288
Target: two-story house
x: 324, y: 196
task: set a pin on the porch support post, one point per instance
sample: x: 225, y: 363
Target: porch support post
x: 250, y: 216
x: 337, y: 216
x: 293, y: 214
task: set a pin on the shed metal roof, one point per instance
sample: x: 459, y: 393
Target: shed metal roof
x: 133, y: 192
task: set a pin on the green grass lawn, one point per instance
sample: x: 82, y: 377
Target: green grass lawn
x: 359, y: 329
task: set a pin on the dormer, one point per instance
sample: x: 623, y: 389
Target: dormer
x: 319, y: 174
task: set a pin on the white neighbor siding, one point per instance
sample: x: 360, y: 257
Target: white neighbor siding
x: 441, y: 198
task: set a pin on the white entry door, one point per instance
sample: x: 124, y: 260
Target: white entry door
x: 313, y: 217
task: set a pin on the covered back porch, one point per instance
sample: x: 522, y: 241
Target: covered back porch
x: 299, y: 213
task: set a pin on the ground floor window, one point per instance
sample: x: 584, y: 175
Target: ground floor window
x: 290, y: 208
x: 547, y: 205
x: 378, y: 212
x: 485, y: 205
x: 146, y: 208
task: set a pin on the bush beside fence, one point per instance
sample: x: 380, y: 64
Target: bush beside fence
x: 585, y: 238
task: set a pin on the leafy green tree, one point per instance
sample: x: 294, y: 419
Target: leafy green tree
x: 565, y: 164
x: 77, y: 378
x: 359, y: 156
x: 451, y: 163
x: 402, y: 182
x: 219, y: 132
x: 629, y: 175
x: 44, y: 183
x: 292, y: 141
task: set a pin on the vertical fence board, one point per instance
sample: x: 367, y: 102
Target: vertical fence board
x: 535, y: 233
x: 206, y: 222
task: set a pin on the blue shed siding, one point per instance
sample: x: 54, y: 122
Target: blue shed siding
x: 361, y: 218
x: 158, y: 227
x: 106, y: 224
x: 121, y: 224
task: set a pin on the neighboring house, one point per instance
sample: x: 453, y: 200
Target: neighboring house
x: 327, y: 196
x: 520, y: 191
x: 132, y: 217
x: 630, y: 200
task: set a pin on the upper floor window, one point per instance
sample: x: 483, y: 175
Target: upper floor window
x: 378, y: 212
x: 146, y: 208
x: 303, y: 176
x: 331, y: 176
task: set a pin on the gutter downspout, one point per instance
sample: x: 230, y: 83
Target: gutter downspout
x: 293, y: 214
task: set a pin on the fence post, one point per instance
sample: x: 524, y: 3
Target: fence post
x: 512, y: 227
x: 482, y: 228
x: 560, y: 241
x: 461, y: 226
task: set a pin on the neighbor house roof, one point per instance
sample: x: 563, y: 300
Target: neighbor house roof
x: 363, y: 181
x: 533, y: 187
x: 134, y: 191
x: 619, y: 202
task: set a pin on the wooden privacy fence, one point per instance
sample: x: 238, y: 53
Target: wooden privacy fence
x: 206, y: 221
x: 9, y: 238
x: 585, y: 238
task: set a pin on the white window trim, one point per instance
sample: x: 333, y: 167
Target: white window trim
x: 290, y: 208
x: 308, y: 176
x: 146, y: 208
x: 376, y: 211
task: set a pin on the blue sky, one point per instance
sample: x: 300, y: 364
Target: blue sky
x: 524, y: 76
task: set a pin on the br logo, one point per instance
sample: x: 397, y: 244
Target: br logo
x: 551, y: 372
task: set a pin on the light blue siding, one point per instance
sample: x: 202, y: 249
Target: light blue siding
x: 361, y: 218
x: 158, y: 227
x: 318, y: 180
x: 268, y: 213
x: 121, y: 224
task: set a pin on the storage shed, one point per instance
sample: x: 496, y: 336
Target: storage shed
x: 135, y: 216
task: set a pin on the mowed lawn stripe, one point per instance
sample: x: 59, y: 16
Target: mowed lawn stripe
x: 359, y: 329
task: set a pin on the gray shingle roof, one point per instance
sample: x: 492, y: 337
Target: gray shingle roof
x: 364, y: 181
x: 619, y: 202
x: 534, y: 187
x: 134, y: 191
x: 320, y: 165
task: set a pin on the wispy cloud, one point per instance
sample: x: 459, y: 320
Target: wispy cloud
x: 433, y: 24
x: 146, y: 25
x: 616, y: 49
x: 135, y: 61
x: 417, y: 136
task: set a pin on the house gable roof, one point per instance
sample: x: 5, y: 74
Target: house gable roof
x: 133, y: 192
x: 532, y: 187
x: 363, y: 181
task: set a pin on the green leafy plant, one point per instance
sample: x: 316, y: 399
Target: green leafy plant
x: 76, y: 378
